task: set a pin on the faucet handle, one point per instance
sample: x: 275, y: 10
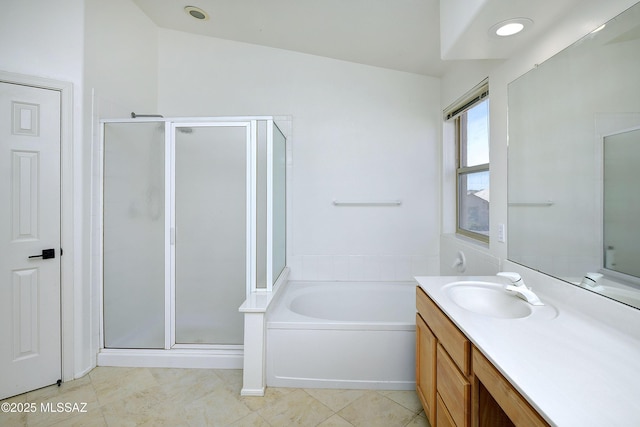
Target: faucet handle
x: 525, y: 293
x: 515, y: 278
x: 591, y: 280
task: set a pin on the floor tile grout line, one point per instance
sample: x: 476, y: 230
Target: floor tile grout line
x: 322, y: 403
x: 228, y: 383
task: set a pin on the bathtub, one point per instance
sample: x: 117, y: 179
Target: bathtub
x: 348, y: 335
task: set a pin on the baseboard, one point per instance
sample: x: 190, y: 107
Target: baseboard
x: 340, y: 384
x: 259, y: 392
x: 81, y: 373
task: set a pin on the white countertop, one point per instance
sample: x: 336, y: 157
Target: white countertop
x: 573, y: 364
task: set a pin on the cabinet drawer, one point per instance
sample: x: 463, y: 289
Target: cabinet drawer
x: 443, y: 416
x: 453, y: 388
x: 454, y: 341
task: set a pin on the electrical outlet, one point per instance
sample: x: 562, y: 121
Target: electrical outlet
x: 501, y: 233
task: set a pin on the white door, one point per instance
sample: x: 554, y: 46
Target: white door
x: 30, y: 331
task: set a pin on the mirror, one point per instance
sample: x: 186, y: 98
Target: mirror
x: 622, y: 202
x: 574, y: 162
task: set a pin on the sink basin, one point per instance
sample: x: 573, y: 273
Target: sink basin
x: 489, y: 299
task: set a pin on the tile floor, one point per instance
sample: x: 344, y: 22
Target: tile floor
x: 154, y: 397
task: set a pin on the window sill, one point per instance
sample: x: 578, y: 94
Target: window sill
x: 467, y: 240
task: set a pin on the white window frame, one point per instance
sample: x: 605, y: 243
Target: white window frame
x: 454, y: 114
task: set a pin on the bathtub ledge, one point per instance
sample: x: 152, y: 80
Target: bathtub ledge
x: 257, y: 302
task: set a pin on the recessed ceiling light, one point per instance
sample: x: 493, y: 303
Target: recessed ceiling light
x: 510, y: 27
x: 601, y: 27
x: 197, y: 13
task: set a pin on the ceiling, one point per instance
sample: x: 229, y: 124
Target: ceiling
x: 401, y: 35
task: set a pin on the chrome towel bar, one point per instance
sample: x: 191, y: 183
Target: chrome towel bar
x: 367, y: 202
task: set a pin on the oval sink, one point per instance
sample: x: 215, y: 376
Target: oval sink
x: 489, y: 299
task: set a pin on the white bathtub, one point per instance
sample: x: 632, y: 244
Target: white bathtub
x: 358, y: 335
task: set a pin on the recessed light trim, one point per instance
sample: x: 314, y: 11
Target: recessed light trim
x: 196, y: 13
x: 510, y: 27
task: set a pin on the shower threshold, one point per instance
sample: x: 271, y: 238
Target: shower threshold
x: 221, y: 357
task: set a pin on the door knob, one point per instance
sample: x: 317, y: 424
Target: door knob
x: 46, y: 254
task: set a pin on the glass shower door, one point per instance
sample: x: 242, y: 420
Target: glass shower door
x: 278, y: 204
x: 210, y: 232
x: 134, y: 235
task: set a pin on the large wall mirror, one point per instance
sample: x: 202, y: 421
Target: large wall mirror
x: 574, y: 162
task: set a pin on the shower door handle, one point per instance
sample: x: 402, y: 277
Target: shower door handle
x: 46, y: 254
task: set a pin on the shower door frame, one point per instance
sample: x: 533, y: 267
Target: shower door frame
x: 127, y: 356
x: 251, y: 215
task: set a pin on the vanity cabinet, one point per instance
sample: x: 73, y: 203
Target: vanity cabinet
x: 426, y: 346
x: 496, y: 403
x: 443, y: 361
x: 457, y: 385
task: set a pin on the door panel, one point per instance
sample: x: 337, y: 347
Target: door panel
x: 30, y: 223
x: 134, y: 235
x: 24, y: 195
x: 211, y: 227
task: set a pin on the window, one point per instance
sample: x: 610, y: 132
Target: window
x: 471, y: 121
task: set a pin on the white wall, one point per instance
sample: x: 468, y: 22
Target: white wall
x: 120, y: 76
x: 110, y: 46
x: 121, y: 59
x: 45, y: 39
x: 358, y: 133
x: 569, y: 29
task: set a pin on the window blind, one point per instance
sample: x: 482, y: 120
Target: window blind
x: 468, y: 100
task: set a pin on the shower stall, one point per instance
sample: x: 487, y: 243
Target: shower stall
x: 193, y: 221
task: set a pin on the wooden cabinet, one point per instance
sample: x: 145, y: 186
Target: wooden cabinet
x: 453, y: 387
x: 443, y: 416
x: 443, y: 360
x: 496, y: 402
x: 457, y: 385
x: 426, y: 345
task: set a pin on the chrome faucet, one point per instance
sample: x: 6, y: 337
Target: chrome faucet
x: 518, y: 288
